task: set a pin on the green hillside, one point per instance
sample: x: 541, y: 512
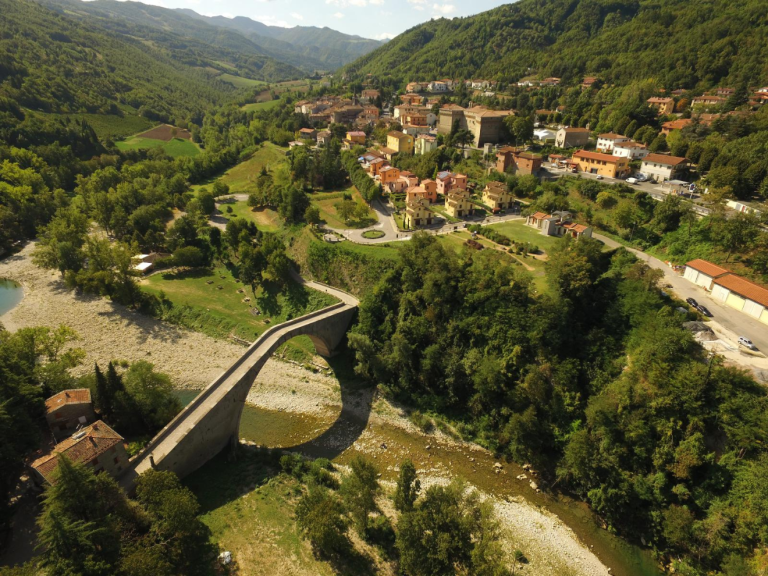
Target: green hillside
x: 681, y: 44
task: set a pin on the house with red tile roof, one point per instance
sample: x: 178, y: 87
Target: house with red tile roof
x: 662, y: 167
x: 703, y: 273
x: 69, y: 410
x: 96, y: 446
x: 742, y: 295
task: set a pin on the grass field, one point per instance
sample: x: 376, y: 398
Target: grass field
x: 268, y: 105
x: 110, y: 126
x: 326, y: 201
x: 249, y: 510
x: 239, y: 177
x: 219, y: 309
x: 519, y: 231
x: 266, y: 219
x: 175, y: 148
x: 240, y: 82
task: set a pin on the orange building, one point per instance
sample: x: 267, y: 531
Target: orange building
x: 601, y: 164
x: 388, y: 175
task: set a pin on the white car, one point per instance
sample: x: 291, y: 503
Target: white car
x: 747, y: 343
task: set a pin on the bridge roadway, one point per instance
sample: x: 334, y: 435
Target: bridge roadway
x: 212, y: 420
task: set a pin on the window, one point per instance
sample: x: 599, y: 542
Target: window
x: 82, y: 419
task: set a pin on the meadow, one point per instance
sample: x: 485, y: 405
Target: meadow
x: 175, y: 148
x: 239, y: 177
x: 267, y: 105
x: 326, y: 203
x: 240, y: 82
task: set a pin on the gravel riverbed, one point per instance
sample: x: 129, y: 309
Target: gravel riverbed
x: 110, y: 332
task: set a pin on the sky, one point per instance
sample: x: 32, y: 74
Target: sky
x: 380, y: 19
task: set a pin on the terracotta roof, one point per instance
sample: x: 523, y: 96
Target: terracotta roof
x: 610, y: 136
x: 385, y: 150
x: 597, y: 156
x: 540, y: 215
x: 76, y: 396
x: 664, y: 159
x: 307, y: 130
x: 744, y: 288
x: 575, y: 130
x: 657, y: 100
x: 707, y: 268
x: 578, y: 228
x: 398, y: 135
x: 630, y: 144
x: 677, y: 124
x: 83, y: 446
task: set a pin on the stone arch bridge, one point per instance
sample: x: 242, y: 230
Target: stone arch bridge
x: 212, y: 420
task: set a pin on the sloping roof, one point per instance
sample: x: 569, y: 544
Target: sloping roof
x: 76, y: 396
x: 83, y: 446
x: 611, y: 136
x: 744, y: 288
x: 630, y: 144
x: 578, y: 228
x: 657, y: 100
x: 664, y: 159
x: 575, y: 130
x: 598, y: 156
x: 398, y: 135
x: 677, y: 124
x: 707, y: 268
x: 539, y: 215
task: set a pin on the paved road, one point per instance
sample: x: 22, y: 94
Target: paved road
x: 737, y: 322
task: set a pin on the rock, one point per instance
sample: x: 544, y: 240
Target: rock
x: 429, y: 447
x: 526, y: 466
x: 383, y: 445
x: 533, y: 485
x: 497, y: 465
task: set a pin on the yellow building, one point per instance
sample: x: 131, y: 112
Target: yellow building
x: 357, y: 137
x: 602, y: 164
x: 496, y: 196
x: 417, y: 213
x: 400, y: 142
x: 457, y: 203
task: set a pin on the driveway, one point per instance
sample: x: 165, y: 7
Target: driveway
x: 738, y: 323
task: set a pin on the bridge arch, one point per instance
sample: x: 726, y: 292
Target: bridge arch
x: 212, y: 420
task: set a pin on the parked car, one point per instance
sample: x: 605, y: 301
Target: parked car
x: 692, y: 302
x: 599, y: 177
x: 747, y: 343
x: 631, y: 180
x: 703, y: 310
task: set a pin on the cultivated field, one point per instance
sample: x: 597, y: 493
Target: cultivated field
x: 174, y: 148
x: 267, y: 105
x: 166, y: 133
x: 240, y: 82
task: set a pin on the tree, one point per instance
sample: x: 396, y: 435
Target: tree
x: 735, y: 233
x: 522, y: 129
x: 359, y: 490
x: 188, y: 257
x: 361, y: 211
x: 312, y: 215
x: 152, y: 394
x: 408, y: 487
x: 320, y: 518
x: 345, y: 209
x: 60, y: 245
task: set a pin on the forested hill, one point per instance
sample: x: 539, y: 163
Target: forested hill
x: 681, y: 44
x: 55, y: 64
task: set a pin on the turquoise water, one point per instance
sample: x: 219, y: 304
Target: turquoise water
x: 10, y: 295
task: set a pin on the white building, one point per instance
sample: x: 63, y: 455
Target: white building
x: 544, y: 135
x: 661, y: 168
x: 606, y: 142
x: 742, y: 295
x: 703, y: 273
x: 630, y: 149
x: 425, y: 143
x: 438, y: 86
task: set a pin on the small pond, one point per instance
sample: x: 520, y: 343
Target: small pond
x: 11, y: 294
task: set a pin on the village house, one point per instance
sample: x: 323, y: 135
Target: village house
x: 518, y: 161
x: 346, y: 114
x: 497, y: 197
x: 145, y: 263
x: 606, y: 142
x: 605, y: 165
x: 631, y: 149
x: 96, y: 446
x: 437, y: 86
x: 725, y: 92
x: 588, y: 82
x: 550, y: 82
x: 663, y: 106
x: 661, y: 168
x: 69, y: 410
x: 356, y: 137
x: 308, y: 134
x: 558, y: 224
x: 457, y: 203
x: 417, y: 212
x: 411, y: 99
x: 447, y: 181
x: 708, y: 100
x: 414, y: 87
x: 572, y: 137
x: 425, y: 143
x: 376, y: 165
x: 667, y: 127
x: 703, y: 273
x: 367, y: 96
x: 388, y: 175
x: 400, y: 142
x: 324, y: 137
x: 430, y: 187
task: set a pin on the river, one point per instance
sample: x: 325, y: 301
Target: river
x: 10, y: 295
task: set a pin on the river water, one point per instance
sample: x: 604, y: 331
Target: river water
x: 278, y: 429
x: 10, y: 295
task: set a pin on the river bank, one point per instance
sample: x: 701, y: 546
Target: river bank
x: 296, y: 408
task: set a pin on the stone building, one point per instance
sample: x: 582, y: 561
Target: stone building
x: 68, y: 410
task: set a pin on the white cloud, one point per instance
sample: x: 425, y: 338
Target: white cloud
x: 358, y: 3
x: 297, y: 16
x: 385, y: 36
x: 271, y: 21
x: 339, y: 15
x: 444, y: 9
